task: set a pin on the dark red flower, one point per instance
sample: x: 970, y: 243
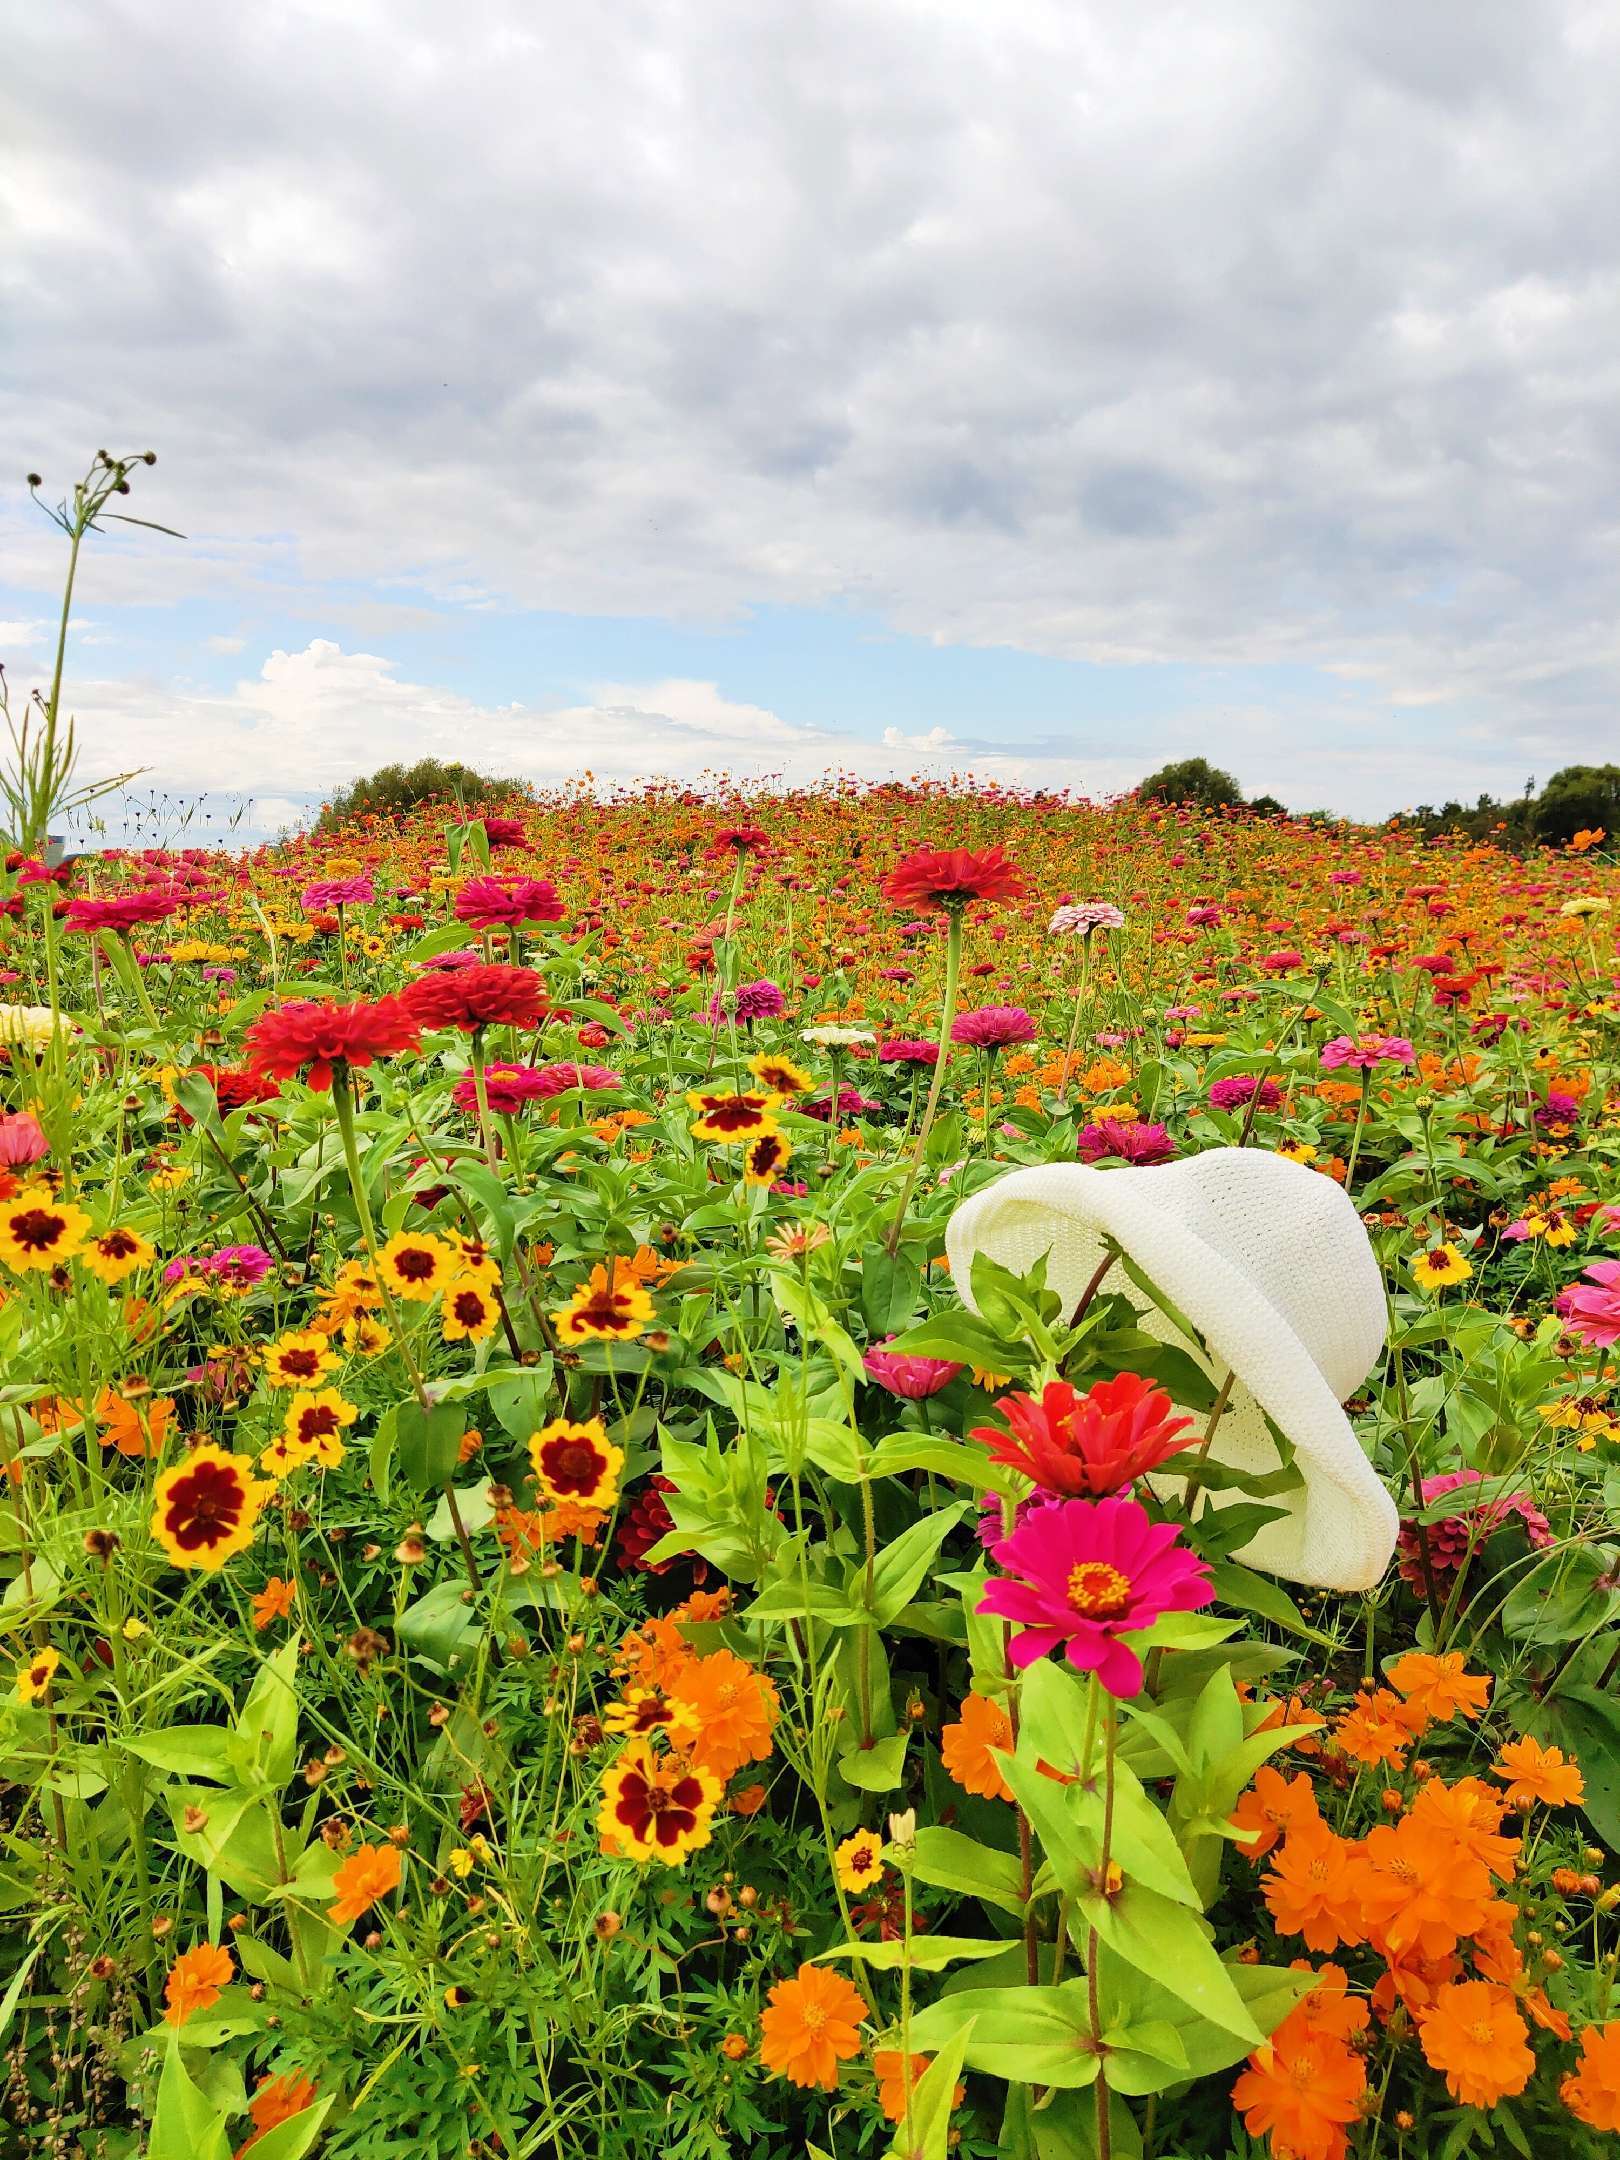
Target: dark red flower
x: 950, y: 877
x: 319, y: 1036
x: 491, y: 903
x: 1087, y: 1445
x: 476, y: 997
x: 504, y: 831
x: 739, y: 840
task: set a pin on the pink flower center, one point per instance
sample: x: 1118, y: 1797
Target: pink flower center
x: 1098, y: 1590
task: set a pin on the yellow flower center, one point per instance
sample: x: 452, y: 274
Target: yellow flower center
x: 1098, y: 1590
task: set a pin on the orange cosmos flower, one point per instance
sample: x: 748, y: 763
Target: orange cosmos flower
x: 205, y: 1509
x: 135, y: 1427
x: 276, y: 2100
x: 889, y: 2066
x: 811, y: 2024
x: 656, y: 1807
x: 1419, y: 1891
x: 733, y: 1707
x: 1313, y: 1890
x: 273, y: 1602
x: 575, y: 1463
x: 1438, y: 1686
x: 1475, y: 2036
x: 1471, y: 1814
x: 655, y: 1654
x: 969, y: 1748
x: 1532, y: 1772
x: 1303, y: 2089
x: 1378, y: 1730
x: 195, y: 1980
x: 1591, y: 2092
x: 1273, y: 1808
x: 368, y: 1874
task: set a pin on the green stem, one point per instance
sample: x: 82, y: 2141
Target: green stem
x: 953, y: 968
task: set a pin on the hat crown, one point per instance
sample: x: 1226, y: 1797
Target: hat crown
x: 1298, y: 1239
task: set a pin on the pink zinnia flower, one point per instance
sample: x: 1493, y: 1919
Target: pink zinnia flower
x: 1081, y: 918
x: 1370, y: 1051
x: 1452, y: 1540
x: 908, y: 1050
x: 1282, y: 963
x: 22, y: 1140
x: 508, y: 1087
x: 1133, y: 1141
x: 1232, y: 1094
x: 1593, y: 1314
x: 911, y: 1378
x: 1082, y: 1573
x: 993, y: 1027
x: 337, y: 892
x: 489, y: 902
x: 558, y: 1079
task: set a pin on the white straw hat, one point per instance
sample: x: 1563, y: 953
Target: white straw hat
x: 1270, y: 1263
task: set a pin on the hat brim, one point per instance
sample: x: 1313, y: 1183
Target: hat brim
x: 1338, y: 1530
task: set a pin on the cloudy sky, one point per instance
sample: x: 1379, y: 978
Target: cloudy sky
x: 889, y: 385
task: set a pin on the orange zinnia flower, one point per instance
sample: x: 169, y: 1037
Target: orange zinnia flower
x: 1591, y: 2092
x: 195, y: 1980
x: 1313, y: 1888
x: 369, y: 1873
x: 1438, y: 1686
x: 1475, y: 2036
x: 734, y: 1708
x: 1274, y: 1808
x: 1419, y: 1891
x: 811, y: 2025
x: 1534, y: 1773
x: 969, y: 1748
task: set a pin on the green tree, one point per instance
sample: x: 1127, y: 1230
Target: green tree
x: 1192, y: 780
x: 1579, y: 798
x: 394, y: 789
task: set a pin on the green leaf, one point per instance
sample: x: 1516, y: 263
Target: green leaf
x: 267, y: 1723
x: 290, y: 2140
x: 949, y: 1860
x: 1240, y: 1587
x: 1269, y: 1992
x: 878, y: 1768
x: 929, y: 1953
x: 899, y: 1570
x: 925, y: 2129
x: 891, y: 1284
x: 1166, y: 1940
x: 193, y: 1751
x: 186, y: 2125
x: 438, y: 1624
x: 1030, y: 2035
x: 428, y: 1443
x: 954, y: 1459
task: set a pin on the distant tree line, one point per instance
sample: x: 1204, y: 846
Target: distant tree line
x: 1578, y: 798
x: 392, y: 790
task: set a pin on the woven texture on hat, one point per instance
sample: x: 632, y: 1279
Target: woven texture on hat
x: 1277, y: 1277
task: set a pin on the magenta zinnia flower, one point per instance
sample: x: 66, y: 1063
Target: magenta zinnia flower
x: 1134, y: 1141
x: 1370, y: 1051
x: 911, y: 1378
x: 993, y: 1027
x: 1232, y: 1094
x: 1593, y: 1313
x: 1082, y: 1573
x: 1453, y: 1539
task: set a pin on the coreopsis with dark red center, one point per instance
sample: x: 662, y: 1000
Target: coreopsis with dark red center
x: 734, y: 1115
x: 949, y: 878
x: 1083, y: 1446
x: 312, y: 1038
x: 205, y: 1509
x: 574, y: 1459
x: 477, y: 997
x: 656, y: 1806
x: 490, y: 903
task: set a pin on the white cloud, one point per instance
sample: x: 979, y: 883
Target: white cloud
x: 1277, y: 334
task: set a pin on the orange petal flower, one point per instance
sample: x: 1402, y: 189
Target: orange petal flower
x: 195, y: 1980
x: 370, y: 1872
x: 1438, y: 1686
x: 1534, y: 1773
x: 969, y: 1748
x: 1591, y: 2092
x: 811, y: 2025
x: 1475, y: 2036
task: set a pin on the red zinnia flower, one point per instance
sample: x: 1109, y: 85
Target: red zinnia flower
x: 283, y: 1042
x: 492, y: 903
x: 1086, y: 1445
x: 739, y: 840
x: 950, y: 877
x: 476, y: 997
x: 121, y: 913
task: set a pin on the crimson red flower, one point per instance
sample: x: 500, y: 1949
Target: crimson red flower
x: 950, y: 877
x: 281, y: 1043
x: 491, y: 903
x: 1091, y: 1444
x: 232, y: 1089
x: 122, y: 913
x: 475, y: 997
x: 739, y: 840
x: 503, y: 831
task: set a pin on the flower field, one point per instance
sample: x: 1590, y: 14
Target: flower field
x: 543, y: 1612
